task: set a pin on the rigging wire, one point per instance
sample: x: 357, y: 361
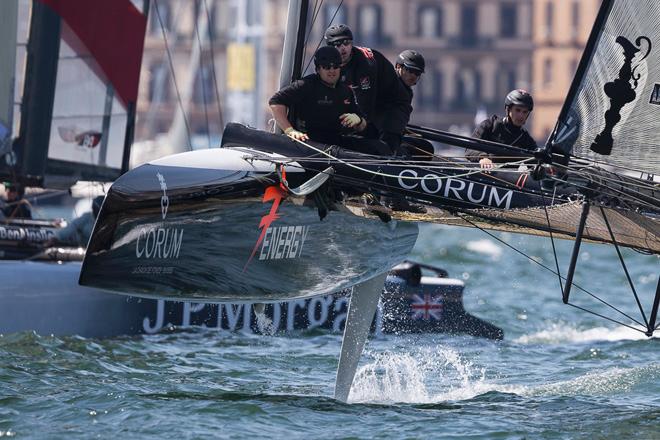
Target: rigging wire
x: 623, y: 264
x: 552, y: 240
x: 625, y: 195
x: 607, y: 175
x: 201, y: 78
x: 215, y: 78
x: 552, y: 271
x: 169, y: 58
x: 315, y: 12
x: 337, y: 9
x: 377, y: 173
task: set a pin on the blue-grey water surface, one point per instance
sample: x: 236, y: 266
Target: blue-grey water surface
x: 559, y: 373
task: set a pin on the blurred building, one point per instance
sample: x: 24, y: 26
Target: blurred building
x: 561, y: 30
x: 476, y: 51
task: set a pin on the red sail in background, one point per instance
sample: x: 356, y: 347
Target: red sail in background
x: 112, y: 32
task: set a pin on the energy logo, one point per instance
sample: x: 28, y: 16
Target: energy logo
x: 274, y: 242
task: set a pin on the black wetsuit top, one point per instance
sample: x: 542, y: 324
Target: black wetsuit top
x: 380, y: 93
x: 318, y: 107
x: 502, y: 131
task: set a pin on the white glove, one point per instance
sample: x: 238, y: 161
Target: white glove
x: 295, y: 134
x: 350, y: 120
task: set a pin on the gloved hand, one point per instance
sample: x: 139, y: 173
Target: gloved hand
x: 295, y: 134
x: 350, y: 120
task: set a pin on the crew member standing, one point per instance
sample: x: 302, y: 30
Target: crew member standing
x: 518, y: 104
x: 377, y: 88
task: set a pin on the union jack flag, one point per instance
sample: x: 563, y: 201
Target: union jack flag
x: 426, y: 308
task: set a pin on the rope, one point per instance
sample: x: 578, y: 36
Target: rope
x: 552, y: 271
x: 215, y: 79
x: 377, y: 173
x: 169, y: 58
x: 201, y: 77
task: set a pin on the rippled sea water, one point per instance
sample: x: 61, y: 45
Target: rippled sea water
x: 560, y: 373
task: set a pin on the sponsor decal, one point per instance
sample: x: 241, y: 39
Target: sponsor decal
x: 283, y: 242
x: 164, y: 200
x: 427, y: 308
x: 365, y: 83
x: 327, y: 311
x: 30, y: 235
x: 277, y: 242
x: 161, y: 242
x: 86, y: 139
x: 655, y: 95
x: 457, y: 189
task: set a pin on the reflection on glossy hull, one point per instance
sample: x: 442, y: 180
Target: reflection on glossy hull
x: 239, y: 238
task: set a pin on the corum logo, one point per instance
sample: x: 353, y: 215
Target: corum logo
x: 276, y: 194
x: 164, y: 200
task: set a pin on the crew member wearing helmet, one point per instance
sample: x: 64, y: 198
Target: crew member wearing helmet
x: 518, y: 105
x: 377, y: 88
x: 325, y: 107
x: 409, y: 67
x: 14, y: 205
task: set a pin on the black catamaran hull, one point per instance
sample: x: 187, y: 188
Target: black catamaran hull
x: 182, y: 228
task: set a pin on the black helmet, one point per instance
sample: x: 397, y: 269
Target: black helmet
x: 519, y: 97
x: 327, y: 55
x: 338, y: 32
x: 411, y: 59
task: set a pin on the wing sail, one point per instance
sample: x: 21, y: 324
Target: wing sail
x: 612, y: 112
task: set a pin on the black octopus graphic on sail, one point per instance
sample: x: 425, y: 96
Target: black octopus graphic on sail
x: 620, y: 92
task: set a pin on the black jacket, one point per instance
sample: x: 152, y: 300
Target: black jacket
x: 380, y: 93
x: 318, y: 107
x: 502, y: 131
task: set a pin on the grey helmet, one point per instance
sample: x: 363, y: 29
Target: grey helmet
x: 412, y: 60
x: 519, y: 97
x: 337, y: 32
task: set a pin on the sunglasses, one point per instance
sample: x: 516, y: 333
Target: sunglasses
x: 329, y: 66
x: 341, y: 43
x: 413, y: 71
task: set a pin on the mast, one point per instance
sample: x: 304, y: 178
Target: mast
x: 130, y: 117
x: 38, y: 93
x: 294, y: 41
x: 8, y: 26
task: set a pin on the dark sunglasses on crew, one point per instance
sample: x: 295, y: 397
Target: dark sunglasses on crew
x: 329, y: 66
x: 413, y: 71
x: 341, y: 43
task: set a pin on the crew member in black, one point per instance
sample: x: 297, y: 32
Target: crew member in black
x: 518, y: 104
x: 379, y: 93
x: 409, y: 67
x: 15, y: 205
x: 325, y: 108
